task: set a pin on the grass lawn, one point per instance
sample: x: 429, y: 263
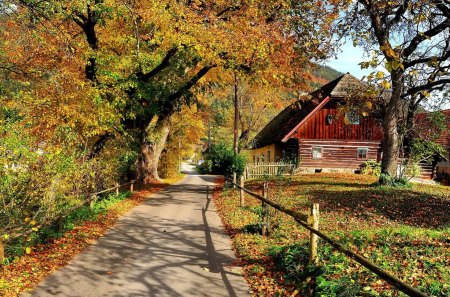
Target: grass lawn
x: 403, y: 230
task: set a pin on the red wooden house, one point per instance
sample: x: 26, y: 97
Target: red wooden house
x: 321, y: 133
x: 425, y: 129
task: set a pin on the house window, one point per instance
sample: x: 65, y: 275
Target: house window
x: 317, y: 152
x: 268, y: 156
x: 362, y: 153
x: 352, y: 117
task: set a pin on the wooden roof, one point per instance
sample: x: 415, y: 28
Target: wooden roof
x: 287, y: 121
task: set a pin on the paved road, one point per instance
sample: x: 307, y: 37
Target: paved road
x: 172, y: 245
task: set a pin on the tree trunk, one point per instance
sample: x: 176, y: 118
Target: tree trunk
x: 391, y: 137
x: 409, y: 126
x: 151, y: 149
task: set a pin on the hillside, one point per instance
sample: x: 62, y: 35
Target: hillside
x: 322, y: 75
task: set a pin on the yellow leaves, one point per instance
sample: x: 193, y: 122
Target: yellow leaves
x: 388, y: 51
x: 346, y: 120
x: 33, y: 222
x: 28, y: 250
x: 426, y: 93
x: 396, y: 65
x: 369, y: 105
x: 5, y: 236
x: 380, y: 75
x: 386, y: 84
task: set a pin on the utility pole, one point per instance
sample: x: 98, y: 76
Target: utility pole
x: 236, y: 115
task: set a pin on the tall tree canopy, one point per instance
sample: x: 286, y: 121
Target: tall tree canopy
x: 96, y: 69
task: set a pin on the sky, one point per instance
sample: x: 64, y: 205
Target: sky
x: 348, y: 59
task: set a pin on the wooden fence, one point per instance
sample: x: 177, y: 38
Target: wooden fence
x: 91, y: 201
x: 262, y: 169
x: 311, y: 223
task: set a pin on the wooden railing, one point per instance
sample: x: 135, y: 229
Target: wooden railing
x: 91, y: 201
x: 262, y: 169
x: 311, y: 223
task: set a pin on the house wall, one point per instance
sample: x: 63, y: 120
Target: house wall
x: 339, y: 141
x: 337, y: 154
x: 261, y: 154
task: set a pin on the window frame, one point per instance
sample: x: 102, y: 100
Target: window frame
x: 366, y: 149
x: 313, y: 156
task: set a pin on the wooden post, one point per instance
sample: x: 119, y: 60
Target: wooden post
x: 265, y: 210
x: 132, y: 186
x: 313, y: 220
x: 207, y: 192
x: 117, y: 189
x: 242, y: 191
x: 234, y: 180
x: 2, y: 251
x: 92, y: 203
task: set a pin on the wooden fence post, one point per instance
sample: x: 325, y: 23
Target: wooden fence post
x: 234, y: 180
x: 207, y: 192
x: 117, y: 189
x: 132, y: 186
x: 313, y: 220
x: 242, y: 191
x: 2, y: 251
x: 265, y: 210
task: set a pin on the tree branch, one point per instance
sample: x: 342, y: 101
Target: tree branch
x: 426, y: 87
x: 100, y: 144
x: 189, y: 84
x: 398, y: 14
x: 164, y: 63
x: 420, y: 37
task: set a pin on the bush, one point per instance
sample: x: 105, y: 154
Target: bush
x: 205, y: 167
x: 371, y: 168
x: 221, y: 159
x: 387, y: 180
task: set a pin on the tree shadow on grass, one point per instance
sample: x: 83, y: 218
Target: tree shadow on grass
x: 401, y: 205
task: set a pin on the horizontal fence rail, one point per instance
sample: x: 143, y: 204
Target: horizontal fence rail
x: 302, y: 220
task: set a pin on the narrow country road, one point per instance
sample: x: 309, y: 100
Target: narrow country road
x: 172, y: 245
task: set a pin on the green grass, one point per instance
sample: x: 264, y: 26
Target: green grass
x: 403, y: 230
x: 16, y: 248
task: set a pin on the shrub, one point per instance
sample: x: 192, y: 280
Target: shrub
x: 371, y: 168
x: 387, y: 180
x: 221, y: 159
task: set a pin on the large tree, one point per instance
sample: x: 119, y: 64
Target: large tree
x: 411, y: 39
x: 138, y: 62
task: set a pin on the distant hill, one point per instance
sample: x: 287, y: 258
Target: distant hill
x: 322, y: 75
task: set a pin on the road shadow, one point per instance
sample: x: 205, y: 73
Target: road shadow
x: 148, y: 255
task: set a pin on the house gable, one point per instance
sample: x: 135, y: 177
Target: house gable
x: 285, y: 124
x: 327, y: 122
